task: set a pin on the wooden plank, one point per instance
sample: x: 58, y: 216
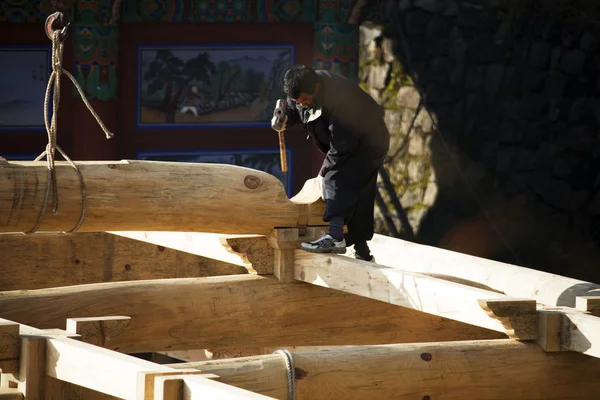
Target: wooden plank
x: 310, y: 204
x: 135, y: 195
x: 114, y: 373
x: 589, y: 304
x: 198, y: 388
x: 414, y: 291
x: 98, y: 330
x: 53, y: 260
x: 232, y: 311
x: 581, y: 333
x: 146, y: 381
x: 10, y: 347
x: 30, y: 377
x: 168, y: 388
x: 497, y: 369
x: 549, y: 330
x: 512, y: 280
x: 207, y: 245
x: 10, y: 394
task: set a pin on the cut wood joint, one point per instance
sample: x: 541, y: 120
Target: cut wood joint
x: 518, y: 316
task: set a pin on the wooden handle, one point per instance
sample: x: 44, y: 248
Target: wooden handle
x: 282, y: 151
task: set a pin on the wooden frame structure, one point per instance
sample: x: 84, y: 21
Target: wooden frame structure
x: 140, y: 276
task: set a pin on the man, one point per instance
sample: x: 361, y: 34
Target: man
x: 347, y: 125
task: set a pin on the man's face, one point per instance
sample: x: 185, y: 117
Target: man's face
x: 307, y: 100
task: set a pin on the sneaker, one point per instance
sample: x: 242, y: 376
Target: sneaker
x: 325, y: 244
x: 356, y: 256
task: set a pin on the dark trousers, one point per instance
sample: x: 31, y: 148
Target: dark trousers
x: 358, y: 217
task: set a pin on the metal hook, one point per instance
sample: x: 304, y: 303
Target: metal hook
x: 55, y: 22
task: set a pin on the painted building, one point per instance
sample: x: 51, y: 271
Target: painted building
x: 177, y: 80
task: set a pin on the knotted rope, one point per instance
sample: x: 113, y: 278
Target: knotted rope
x: 57, y: 38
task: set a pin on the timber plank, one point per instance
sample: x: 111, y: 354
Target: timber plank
x: 489, y: 369
x: 232, y: 311
x: 51, y: 260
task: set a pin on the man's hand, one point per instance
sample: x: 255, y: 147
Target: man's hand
x: 279, y: 120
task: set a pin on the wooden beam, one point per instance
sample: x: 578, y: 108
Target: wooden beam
x: 10, y: 347
x: 418, y: 292
x: 146, y: 196
x: 98, y: 331
x: 310, y: 204
x: 589, y: 304
x: 515, y: 281
x: 232, y: 311
x: 253, y: 250
x: 580, y: 333
x: 53, y: 260
x: 207, y: 245
x: 498, y: 369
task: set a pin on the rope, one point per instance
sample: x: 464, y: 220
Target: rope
x: 291, y: 375
x: 51, y: 147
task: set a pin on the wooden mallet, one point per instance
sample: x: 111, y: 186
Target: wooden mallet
x: 278, y: 123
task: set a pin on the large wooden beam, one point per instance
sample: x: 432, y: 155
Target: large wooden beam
x: 498, y: 369
x: 46, y: 355
x: 546, y: 288
x: 146, y: 196
x: 232, y: 311
x: 418, y: 292
x: 52, y: 259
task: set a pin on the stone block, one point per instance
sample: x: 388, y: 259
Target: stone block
x: 556, y: 83
x: 471, y: 17
x: 532, y: 106
x: 588, y: 41
x: 532, y: 80
x: 429, y: 5
x: 437, y: 94
x: 483, y: 49
x: 412, y: 197
x: 424, y: 121
x: 417, y: 171
x: 450, y: 9
x: 555, y: 57
x: 504, y: 161
x: 439, y: 26
x: 577, y: 110
x: 525, y: 160
x: 539, y: 54
x: 408, y: 96
x: 430, y: 194
x: 405, y: 5
x: 493, y: 77
x: 573, y: 61
x: 416, y: 145
x: 458, y: 49
x: 379, y: 76
x: 440, y: 69
x: 457, y: 75
x: 416, y: 22
x: 474, y: 77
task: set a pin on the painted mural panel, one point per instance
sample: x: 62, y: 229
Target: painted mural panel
x: 23, y: 81
x: 210, y: 85
x: 267, y: 160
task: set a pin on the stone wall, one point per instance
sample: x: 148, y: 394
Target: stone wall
x: 494, y: 116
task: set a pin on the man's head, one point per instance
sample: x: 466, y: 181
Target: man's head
x: 301, y: 84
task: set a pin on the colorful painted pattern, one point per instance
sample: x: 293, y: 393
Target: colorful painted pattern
x: 153, y: 10
x: 33, y: 10
x: 334, y: 10
x: 96, y: 50
x: 221, y: 10
x: 336, y: 48
x: 287, y: 11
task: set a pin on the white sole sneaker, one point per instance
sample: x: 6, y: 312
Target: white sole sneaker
x: 325, y: 244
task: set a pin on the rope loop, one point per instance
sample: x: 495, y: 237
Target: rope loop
x: 57, y: 34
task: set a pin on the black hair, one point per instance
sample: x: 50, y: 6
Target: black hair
x: 299, y: 79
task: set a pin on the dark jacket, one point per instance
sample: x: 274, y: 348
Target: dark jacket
x: 350, y: 125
